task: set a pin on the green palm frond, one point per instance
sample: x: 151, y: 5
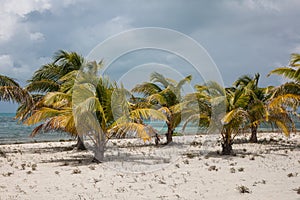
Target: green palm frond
x: 43, y: 114
x: 295, y: 60
x: 183, y: 81
x: 57, y: 99
x: 159, y: 78
x: 202, y: 120
x: 46, y: 72
x: 215, y: 89
x: 43, y: 86
x: 14, y: 94
x: 235, y: 117
x: 290, y: 100
x: 63, y: 123
x: 7, y: 81
x: 157, y: 99
x: 287, y: 72
x: 147, y: 89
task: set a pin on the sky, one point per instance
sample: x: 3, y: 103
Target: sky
x: 241, y: 36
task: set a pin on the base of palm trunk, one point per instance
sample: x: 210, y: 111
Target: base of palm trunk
x: 99, y: 153
x: 169, y: 137
x: 80, y: 145
x: 253, y: 138
x: 226, y: 149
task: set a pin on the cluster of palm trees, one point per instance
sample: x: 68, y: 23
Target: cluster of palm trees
x: 68, y: 95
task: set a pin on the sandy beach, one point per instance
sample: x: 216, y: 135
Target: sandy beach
x: 187, y: 169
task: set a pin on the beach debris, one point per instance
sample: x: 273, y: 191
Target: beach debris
x: 241, y: 169
x: 2, y: 154
x: 186, y: 161
x: 190, y: 155
x: 232, y: 170
x: 195, y: 143
x: 76, y: 171
x: 177, y: 165
x: 243, y: 189
x: 92, y: 167
x: 212, y: 168
x: 29, y: 172
x: 297, y: 190
x: 7, y: 174
x: 252, y: 158
x: 56, y: 172
x: 259, y: 182
x: 23, y: 165
x: 33, y: 167
x: 161, y: 182
x: 292, y: 175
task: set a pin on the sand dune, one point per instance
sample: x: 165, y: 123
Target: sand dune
x: 190, y: 168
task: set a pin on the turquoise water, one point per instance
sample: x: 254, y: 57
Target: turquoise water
x: 13, y: 132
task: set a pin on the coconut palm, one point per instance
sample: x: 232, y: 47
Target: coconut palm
x: 100, y: 108
x: 165, y: 94
x: 197, y: 107
x: 258, y: 108
x: 57, y: 76
x: 11, y: 91
x: 235, y: 118
x: 87, y: 109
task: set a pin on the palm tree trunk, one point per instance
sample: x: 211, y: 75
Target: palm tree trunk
x: 80, y: 145
x: 227, y: 145
x: 99, y: 147
x: 169, y: 133
x: 253, y: 137
x: 99, y: 152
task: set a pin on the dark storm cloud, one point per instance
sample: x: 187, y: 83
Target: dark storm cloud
x: 245, y: 36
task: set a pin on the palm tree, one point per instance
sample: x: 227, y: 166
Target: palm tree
x: 258, y: 108
x: 165, y: 94
x: 235, y: 118
x: 57, y: 76
x: 11, y: 91
x: 100, y: 109
x: 87, y: 109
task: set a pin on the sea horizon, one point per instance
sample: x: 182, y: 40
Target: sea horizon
x: 12, y: 131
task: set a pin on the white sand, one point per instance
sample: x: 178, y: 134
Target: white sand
x: 179, y: 171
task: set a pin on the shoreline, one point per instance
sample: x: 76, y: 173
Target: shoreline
x: 161, y: 135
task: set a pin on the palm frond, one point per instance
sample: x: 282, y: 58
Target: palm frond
x: 183, y: 81
x: 7, y: 81
x: 159, y: 78
x: 43, y: 86
x: 146, y: 89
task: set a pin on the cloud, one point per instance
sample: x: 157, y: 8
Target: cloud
x: 246, y: 36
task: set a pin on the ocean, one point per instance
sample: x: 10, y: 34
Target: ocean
x: 11, y: 131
